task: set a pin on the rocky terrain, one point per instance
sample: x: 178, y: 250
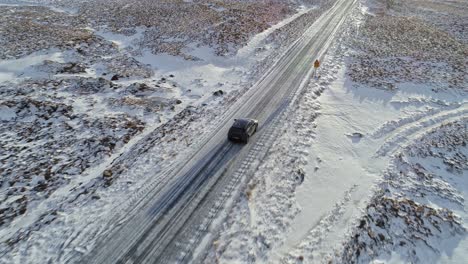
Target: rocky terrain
x: 96, y: 97
x: 416, y: 211
x: 396, y: 47
x: 166, y: 26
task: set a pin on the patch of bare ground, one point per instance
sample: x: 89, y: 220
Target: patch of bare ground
x: 171, y: 26
x: 418, y: 223
x: 393, y: 49
x: 26, y: 29
x: 449, y: 16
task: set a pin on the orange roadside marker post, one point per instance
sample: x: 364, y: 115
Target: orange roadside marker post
x: 316, y: 65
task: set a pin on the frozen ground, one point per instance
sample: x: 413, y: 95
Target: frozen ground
x: 88, y: 118
x: 371, y: 164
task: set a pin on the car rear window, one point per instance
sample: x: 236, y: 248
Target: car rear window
x: 240, y: 123
x: 238, y: 129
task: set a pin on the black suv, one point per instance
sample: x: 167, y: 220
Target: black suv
x: 242, y: 129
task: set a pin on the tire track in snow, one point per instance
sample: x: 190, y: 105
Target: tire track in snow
x: 393, y: 125
x: 410, y: 131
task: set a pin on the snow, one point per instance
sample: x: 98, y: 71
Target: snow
x: 424, y: 183
x: 340, y: 162
x: 7, y: 113
x: 6, y: 76
x: 12, y: 70
x: 255, y: 42
x: 196, y: 79
x: 338, y: 150
x: 201, y: 77
x: 120, y: 40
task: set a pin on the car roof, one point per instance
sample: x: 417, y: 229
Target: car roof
x: 241, y: 122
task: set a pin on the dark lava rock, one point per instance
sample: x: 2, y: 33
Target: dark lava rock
x: 73, y: 68
x: 218, y: 93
